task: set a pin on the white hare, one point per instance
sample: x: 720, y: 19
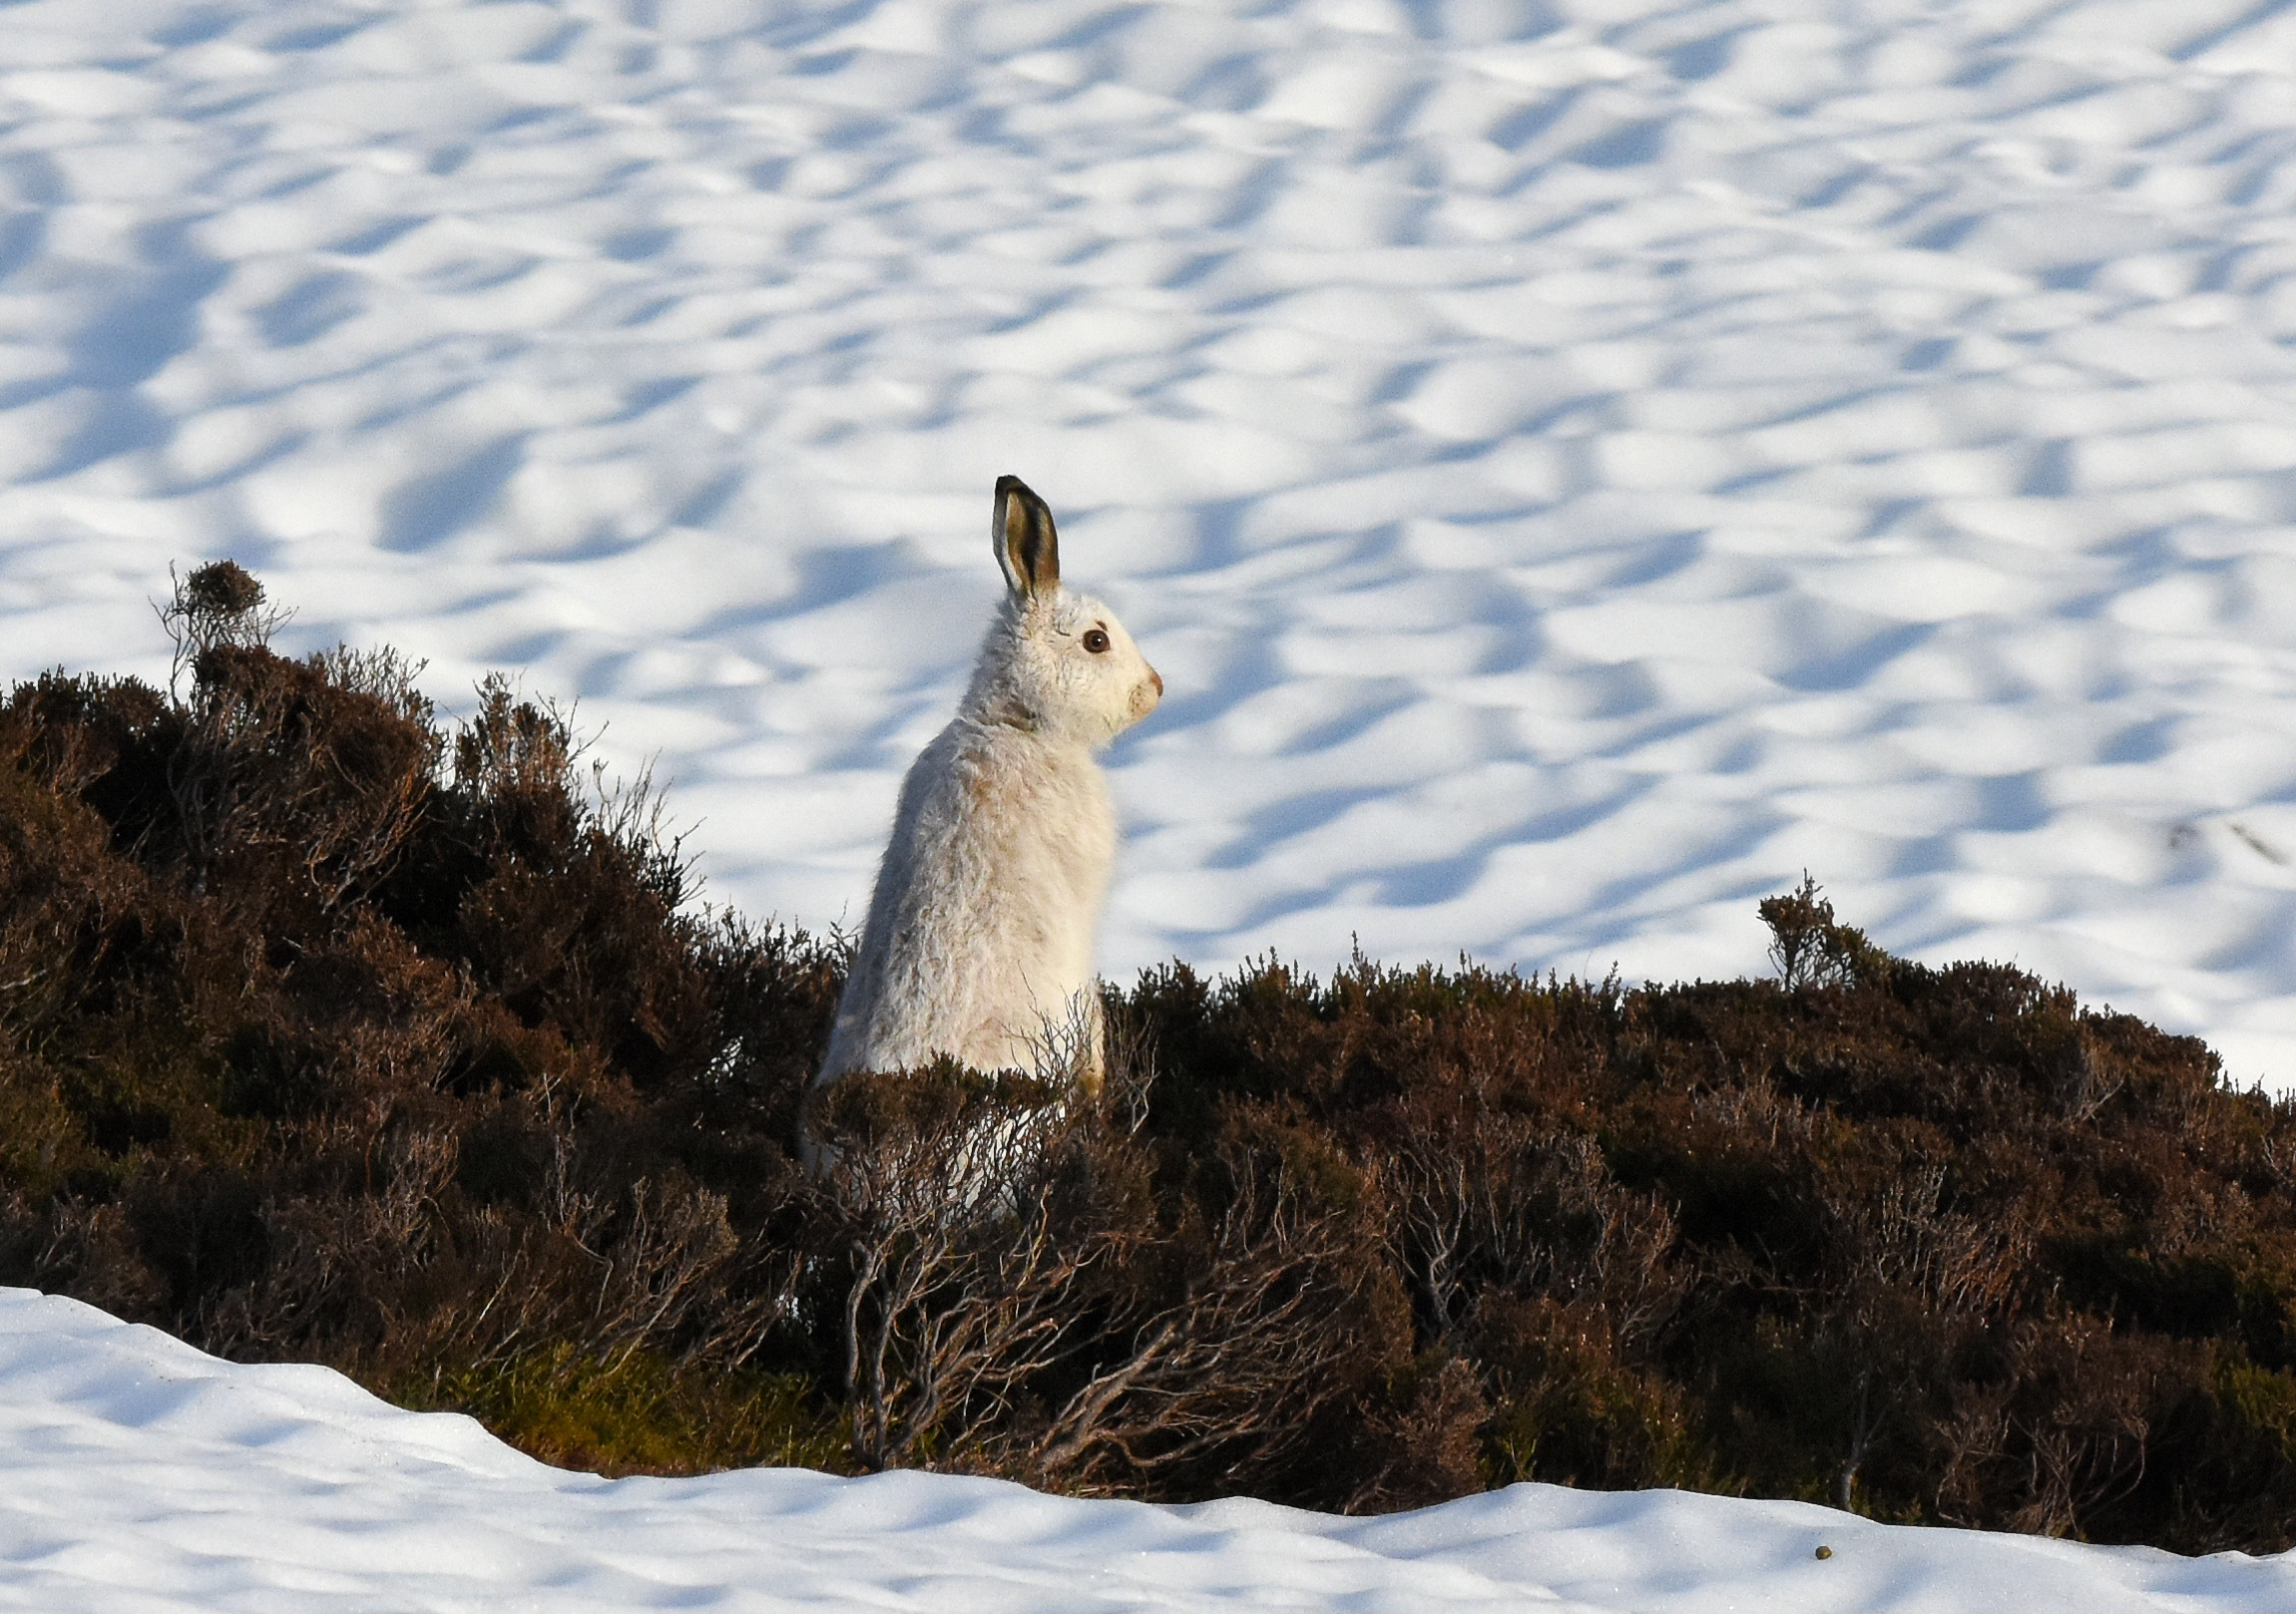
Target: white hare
x: 979, y: 941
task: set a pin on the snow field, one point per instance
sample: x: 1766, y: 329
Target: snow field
x: 141, y: 1476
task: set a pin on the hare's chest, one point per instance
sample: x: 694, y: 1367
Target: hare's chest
x: 1059, y: 835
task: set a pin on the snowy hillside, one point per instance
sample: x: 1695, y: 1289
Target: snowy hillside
x: 1577, y: 465
x: 137, y: 1473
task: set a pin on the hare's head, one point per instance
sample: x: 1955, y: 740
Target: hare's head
x: 1056, y: 662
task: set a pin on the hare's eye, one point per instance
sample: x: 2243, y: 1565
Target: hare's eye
x: 1096, y: 641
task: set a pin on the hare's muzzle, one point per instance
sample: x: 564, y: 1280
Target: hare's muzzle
x: 1146, y: 693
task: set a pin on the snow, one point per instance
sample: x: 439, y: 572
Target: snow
x: 136, y: 1474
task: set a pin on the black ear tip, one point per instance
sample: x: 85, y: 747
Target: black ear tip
x: 1027, y: 547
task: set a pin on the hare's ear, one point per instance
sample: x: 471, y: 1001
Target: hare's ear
x: 1027, y: 547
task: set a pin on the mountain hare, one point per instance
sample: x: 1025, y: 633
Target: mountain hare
x: 979, y: 941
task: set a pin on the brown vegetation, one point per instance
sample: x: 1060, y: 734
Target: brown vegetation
x: 327, y: 1034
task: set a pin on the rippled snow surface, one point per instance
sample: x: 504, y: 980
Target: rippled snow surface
x: 1577, y: 465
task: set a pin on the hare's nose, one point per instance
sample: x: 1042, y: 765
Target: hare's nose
x: 1156, y: 679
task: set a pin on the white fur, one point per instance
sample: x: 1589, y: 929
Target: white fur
x: 979, y: 941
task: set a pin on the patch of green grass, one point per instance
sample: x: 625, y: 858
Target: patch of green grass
x: 638, y: 1414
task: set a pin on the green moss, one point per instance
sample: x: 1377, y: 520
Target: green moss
x: 636, y: 1413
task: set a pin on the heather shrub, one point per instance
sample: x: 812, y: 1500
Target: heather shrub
x: 333, y: 1031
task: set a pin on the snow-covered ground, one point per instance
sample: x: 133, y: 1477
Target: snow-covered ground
x: 1577, y: 463
x: 139, y: 1475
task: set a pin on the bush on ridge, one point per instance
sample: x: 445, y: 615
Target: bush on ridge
x: 330, y: 1033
